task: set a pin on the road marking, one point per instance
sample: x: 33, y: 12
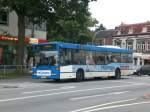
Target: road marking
x: 129, y: 82
x: 105, y: 104
x: 83, y: 90
x: 117, y: 106
x: 87, y: 89
x: 92, y: 96
x: 62, y: 88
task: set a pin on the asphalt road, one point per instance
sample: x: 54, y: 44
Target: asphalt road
x: 129, y: 94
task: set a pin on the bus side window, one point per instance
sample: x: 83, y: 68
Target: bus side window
x: 116, y: 57
x: 89, y: 60
x: 100, y: 58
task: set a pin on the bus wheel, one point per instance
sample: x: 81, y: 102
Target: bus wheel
x: 79, y: 75
x: 117, y: 74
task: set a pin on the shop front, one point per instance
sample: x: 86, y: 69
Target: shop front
x: 8, y: 49
x: 140, y: 59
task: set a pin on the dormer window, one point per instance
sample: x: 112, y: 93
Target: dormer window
x: 144, y: 29
x: 130, y: 30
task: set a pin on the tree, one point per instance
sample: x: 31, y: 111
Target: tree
x: 72, y: 22
x: 27, y: 8
x: 100, y: 28
x: 39, y: 10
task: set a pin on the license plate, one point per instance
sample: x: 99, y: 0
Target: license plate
x: 43, y: 77
x: 43, y: 73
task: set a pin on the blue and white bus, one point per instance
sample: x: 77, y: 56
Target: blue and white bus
x: 58, y: 60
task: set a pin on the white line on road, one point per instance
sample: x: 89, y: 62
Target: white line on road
x: 62, y: 88
x: 130, y: 82
x: 87, y: 89
x: 105, y: 104
x: 80, y: 90
x: 92, y: 96
x: 117, y: 106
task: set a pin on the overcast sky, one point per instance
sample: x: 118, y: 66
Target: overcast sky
x: 112, y: 12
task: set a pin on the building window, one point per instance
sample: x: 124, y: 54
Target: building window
x: 101, y: 42
x: 129, y: 44
x: 141, y: 45
x: 3, y: 17
x: 118, y: 42
x: 30, y: 25
x: 147, y: 47
x: 144, y: 29
x: 130, y: 30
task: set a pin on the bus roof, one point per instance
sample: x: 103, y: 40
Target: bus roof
x: 89, y: 47
x: 109, y: 46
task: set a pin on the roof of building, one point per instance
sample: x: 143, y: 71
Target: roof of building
x: 136, y: 28
x: 105, y: 33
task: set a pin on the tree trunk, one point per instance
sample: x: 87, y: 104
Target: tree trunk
x: 21, y: 37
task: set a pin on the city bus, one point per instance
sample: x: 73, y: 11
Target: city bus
x: 58, y: 60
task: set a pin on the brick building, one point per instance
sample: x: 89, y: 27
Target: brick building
x: 104, y: 37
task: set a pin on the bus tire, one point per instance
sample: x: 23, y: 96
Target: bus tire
x: 80, y: 75
x: 117, y: 74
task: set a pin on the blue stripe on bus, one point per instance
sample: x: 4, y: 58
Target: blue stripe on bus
x: 87, y: 47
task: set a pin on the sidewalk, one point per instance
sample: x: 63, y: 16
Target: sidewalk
x: 5, y: 77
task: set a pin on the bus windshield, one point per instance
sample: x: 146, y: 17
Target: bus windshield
x: 45, y: 58
x: 49, y: 47
x: 45, y: 55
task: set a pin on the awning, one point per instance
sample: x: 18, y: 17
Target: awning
x: 27, y: 40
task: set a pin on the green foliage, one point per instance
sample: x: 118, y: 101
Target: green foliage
x: 30, y: 8
x: 100, y: 28
x: 72, y: 21
x: 68, y: 20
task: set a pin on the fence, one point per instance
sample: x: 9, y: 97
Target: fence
x: 14, y: 70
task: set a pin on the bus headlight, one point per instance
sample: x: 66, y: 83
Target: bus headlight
x: 58, y: 68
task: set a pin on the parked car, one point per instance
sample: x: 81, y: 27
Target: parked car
x: 143, y: 70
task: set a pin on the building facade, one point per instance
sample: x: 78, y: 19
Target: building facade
x: 104, y: 37
x: 9, y: 33
x: 135, y: 37
x: 8, y: 25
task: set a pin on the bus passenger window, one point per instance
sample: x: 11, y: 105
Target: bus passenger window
x: 114, y: 60
x: 116, y: 57
x: 100, y: 58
